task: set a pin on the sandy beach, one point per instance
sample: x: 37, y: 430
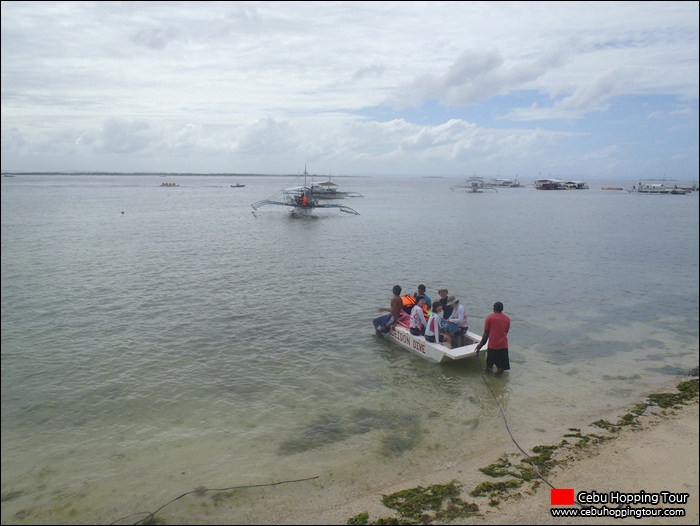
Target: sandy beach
x: 659, y: 453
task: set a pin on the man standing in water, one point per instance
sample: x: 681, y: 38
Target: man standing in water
x: 381, y: 324
x: 496, y: 327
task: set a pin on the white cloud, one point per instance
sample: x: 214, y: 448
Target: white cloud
x: 367, y: 87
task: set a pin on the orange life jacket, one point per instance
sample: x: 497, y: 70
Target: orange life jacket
x: 408, y: 300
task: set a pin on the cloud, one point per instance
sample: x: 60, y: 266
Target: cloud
x: 372, y: 87
x: 125, y: 137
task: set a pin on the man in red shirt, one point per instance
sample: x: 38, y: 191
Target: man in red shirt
x: 496, y: 327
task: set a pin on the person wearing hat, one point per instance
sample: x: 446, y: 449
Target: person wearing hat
x: 456, y: 324
x: 496, y: 327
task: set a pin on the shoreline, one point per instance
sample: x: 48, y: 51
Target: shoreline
x: 652, y: 452
x: 657, y: 452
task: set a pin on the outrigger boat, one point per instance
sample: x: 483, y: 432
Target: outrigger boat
x: 301, y: 201
x: 475, y: 185
x: 434, y: 352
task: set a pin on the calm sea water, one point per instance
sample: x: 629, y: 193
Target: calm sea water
x: 157, y: 340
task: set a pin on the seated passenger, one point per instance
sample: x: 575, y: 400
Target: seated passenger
x: 432, y: 329
x: 421, y: 292
x: 417, y: 325
x: 384, y: 324
x: 456, y: 324
x: 446, y: 310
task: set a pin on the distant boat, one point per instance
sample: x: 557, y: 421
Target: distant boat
x: 237, y: 185
x: 328, y: 189
x: 611, y: 188
x: 506, y: 183
x: 550, y: 184
x: 474, y: 185
x: 576, y: 185
x: 170, y: 185
x: 559, y: 184
x: 657, y: 188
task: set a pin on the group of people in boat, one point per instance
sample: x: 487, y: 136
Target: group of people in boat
x: 443, y: 320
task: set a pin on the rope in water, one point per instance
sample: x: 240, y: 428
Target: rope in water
x: 505, y: 421
x: 151, y: 514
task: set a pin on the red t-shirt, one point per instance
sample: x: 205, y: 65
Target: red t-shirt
x: 498, y: 325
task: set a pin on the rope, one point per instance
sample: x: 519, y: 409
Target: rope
x: 150, y: 515
x: 505, y: 421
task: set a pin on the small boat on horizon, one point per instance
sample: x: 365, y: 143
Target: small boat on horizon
x: 576, y: 185
x: 237, y: 185
x: 657, y: 188
x: 506, y: 183
x: 549, y: 184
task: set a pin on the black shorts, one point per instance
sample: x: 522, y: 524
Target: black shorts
x: 431, y: 339
x: 497, y: 357
x: 416, y: 332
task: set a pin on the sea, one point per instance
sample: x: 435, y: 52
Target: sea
x: 169, y: 351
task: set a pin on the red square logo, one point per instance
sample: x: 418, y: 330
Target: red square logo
x: 562, y: 497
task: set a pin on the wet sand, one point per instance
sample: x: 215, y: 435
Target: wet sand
x: 659, y: 453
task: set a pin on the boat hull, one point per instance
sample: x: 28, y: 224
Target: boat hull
x: 433, y: 352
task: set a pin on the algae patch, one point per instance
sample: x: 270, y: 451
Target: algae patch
x: 439, y: 502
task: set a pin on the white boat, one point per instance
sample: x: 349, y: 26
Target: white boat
x: 576, y: 185
x: 506, y: 183
x: 301, y: 202
x: 237, y: 185
x: 329, y: 190
x: 434, y: 352
x: 170, y: 185
x: 657, y: 188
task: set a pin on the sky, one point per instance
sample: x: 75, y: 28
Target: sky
x: 585, y: 90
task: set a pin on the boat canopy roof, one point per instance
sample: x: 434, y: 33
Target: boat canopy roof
x: 296, y: 190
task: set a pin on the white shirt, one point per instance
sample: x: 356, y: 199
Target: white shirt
x: 433, y: 326
x: 417, y: 317
x: 458, y: 316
